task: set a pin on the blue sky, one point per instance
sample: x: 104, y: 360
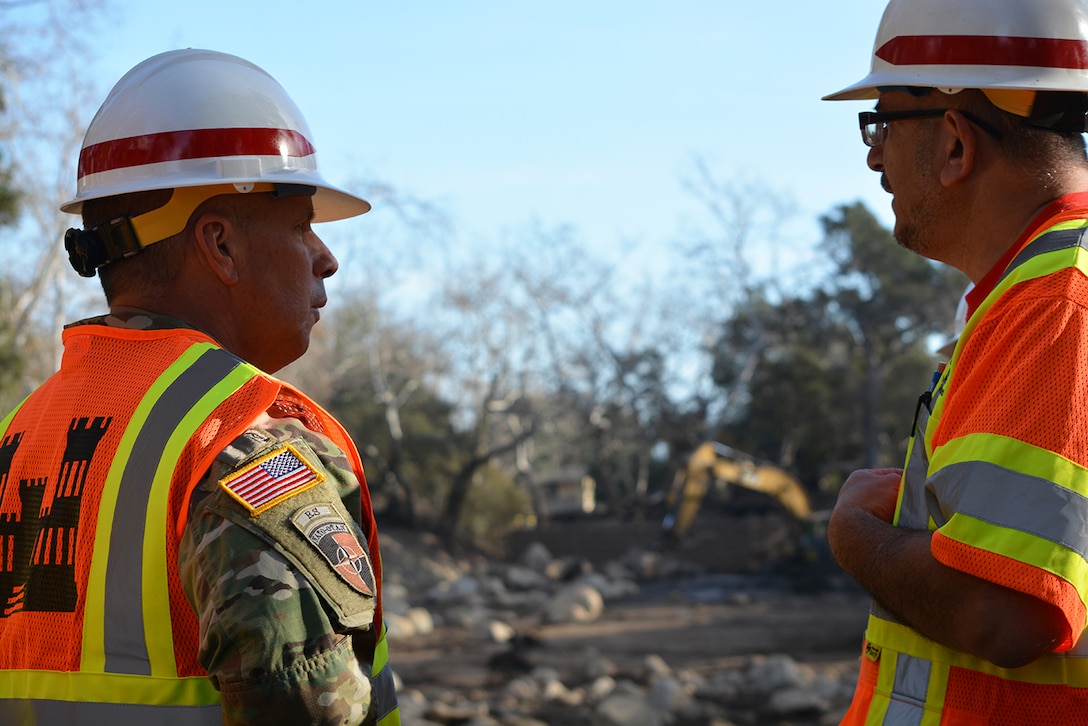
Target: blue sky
x: 584, y: 113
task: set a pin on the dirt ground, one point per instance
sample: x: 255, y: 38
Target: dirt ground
x: 739, y: 605
x: 820, y: 629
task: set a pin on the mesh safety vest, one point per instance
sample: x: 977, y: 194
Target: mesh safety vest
x: 1007, y: 499
x: 96, y: 469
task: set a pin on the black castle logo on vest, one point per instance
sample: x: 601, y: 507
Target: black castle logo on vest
x: 38, y: 547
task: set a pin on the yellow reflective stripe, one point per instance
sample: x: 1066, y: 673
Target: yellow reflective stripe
x: 93, y: 655
x: 913, y: 441
x: 882, y: 692
x: 156, y: 591
x: 1068, y: 224
x: 381, y: 653
x: 1064, y: 562
x: 935, y: 694
x: 390, y: 719
x: 1041, y: 265
x: 381, y: 673
x: 1022, y: 547
x: 1050, y: 670
x: 105, y: 688
x: 1013, y: 455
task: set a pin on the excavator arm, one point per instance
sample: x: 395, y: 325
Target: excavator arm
x: 715, y: 464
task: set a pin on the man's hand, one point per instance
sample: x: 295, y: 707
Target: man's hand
x: 875, y: 491
x: 897, y: 567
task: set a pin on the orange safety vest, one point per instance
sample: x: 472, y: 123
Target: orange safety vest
x: 1024, y: 529
x: 94, y: 489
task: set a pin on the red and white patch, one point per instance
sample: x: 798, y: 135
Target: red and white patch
x: 325, y: 529
x: 271, y: 479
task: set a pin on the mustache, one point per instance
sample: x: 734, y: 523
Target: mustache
x: 884, y: 184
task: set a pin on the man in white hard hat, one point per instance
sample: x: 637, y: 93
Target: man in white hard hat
x: 186, y: 539
x: 976, y: 553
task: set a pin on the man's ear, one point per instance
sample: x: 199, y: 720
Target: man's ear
x: 215, y: 239
x: 960, y: 147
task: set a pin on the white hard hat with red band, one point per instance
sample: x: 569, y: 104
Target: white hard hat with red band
x: 195, y: 118
x: 1030, y: 45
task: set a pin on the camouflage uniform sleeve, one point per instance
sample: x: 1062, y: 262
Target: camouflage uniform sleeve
x: 279, y: 592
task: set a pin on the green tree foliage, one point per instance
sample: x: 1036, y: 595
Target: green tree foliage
x: 838, y: 369
x: 11, y: 362
x: 9, y: 195
x: 892, y: 301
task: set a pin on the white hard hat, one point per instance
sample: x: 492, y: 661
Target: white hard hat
x: 1032, y: 45
x: 199, y: 118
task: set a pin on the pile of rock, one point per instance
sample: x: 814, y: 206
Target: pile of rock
x: 761, y: 689
x: 477, y: 601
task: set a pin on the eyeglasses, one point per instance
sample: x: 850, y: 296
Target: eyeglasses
x: 874, y: 124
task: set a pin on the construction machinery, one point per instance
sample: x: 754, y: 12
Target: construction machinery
x: 711, y: 470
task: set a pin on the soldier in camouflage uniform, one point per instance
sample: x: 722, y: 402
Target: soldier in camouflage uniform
x: 267, y: 606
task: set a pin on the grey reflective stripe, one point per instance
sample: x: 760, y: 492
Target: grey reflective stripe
x: 46, y: 713
x: 908, y: 697
x: 1022, y: 502
x: 384, y: 691
x: 914, y: 511
x: 1061, y: 239
x: 125, y: 646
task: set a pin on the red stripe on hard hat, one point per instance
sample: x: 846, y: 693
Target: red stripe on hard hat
x: 984, y: 50
x: 191, y: 144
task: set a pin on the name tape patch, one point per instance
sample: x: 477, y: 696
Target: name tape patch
x: 325, y: 529
x: 273, y: 478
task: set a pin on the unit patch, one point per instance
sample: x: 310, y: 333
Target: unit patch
x: 271, y: 479
x: 326, y: 530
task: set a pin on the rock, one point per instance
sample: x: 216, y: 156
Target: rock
x: 611, y: 588
x: 463, y: 589
x: 600, y: 688
x: 484, y: 603
x: 483, y: 721
x: 567, y: 569
x: 655, y: 666
x: 399, y: 626
x: 536, y: 557
x: 793, y: 701
x: 413, y: 704
x: 721, y: 687
x: 522, y: 690
x: 395, y: 598
x: 456, y: 710
x: 597, y: 666
x: 524, y: 578
x: 628, y: 709
x: 498, y: 632
x: 668, y: 694
x: 578, y: 603
x: 771, y: 673
x: 422, y: 621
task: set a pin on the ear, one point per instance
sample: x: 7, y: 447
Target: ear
x: 215, y: 237
x: 960, y: 148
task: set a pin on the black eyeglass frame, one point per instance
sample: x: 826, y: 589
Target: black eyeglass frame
x: 878, y: 121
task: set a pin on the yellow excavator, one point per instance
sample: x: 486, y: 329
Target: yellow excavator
x: 715, y: 465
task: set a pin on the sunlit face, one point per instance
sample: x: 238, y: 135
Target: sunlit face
x: 904, y: 161
x: 281, y: 281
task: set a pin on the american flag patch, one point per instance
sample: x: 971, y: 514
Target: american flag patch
x: 271, y: 479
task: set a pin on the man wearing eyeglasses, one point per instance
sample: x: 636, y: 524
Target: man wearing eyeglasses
x: 976, y: 552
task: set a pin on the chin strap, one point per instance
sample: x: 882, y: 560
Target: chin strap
x: 107, y: 242
x: 120, y: 238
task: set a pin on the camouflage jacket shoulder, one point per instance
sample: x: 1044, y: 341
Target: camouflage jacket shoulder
x: 278, y: 573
